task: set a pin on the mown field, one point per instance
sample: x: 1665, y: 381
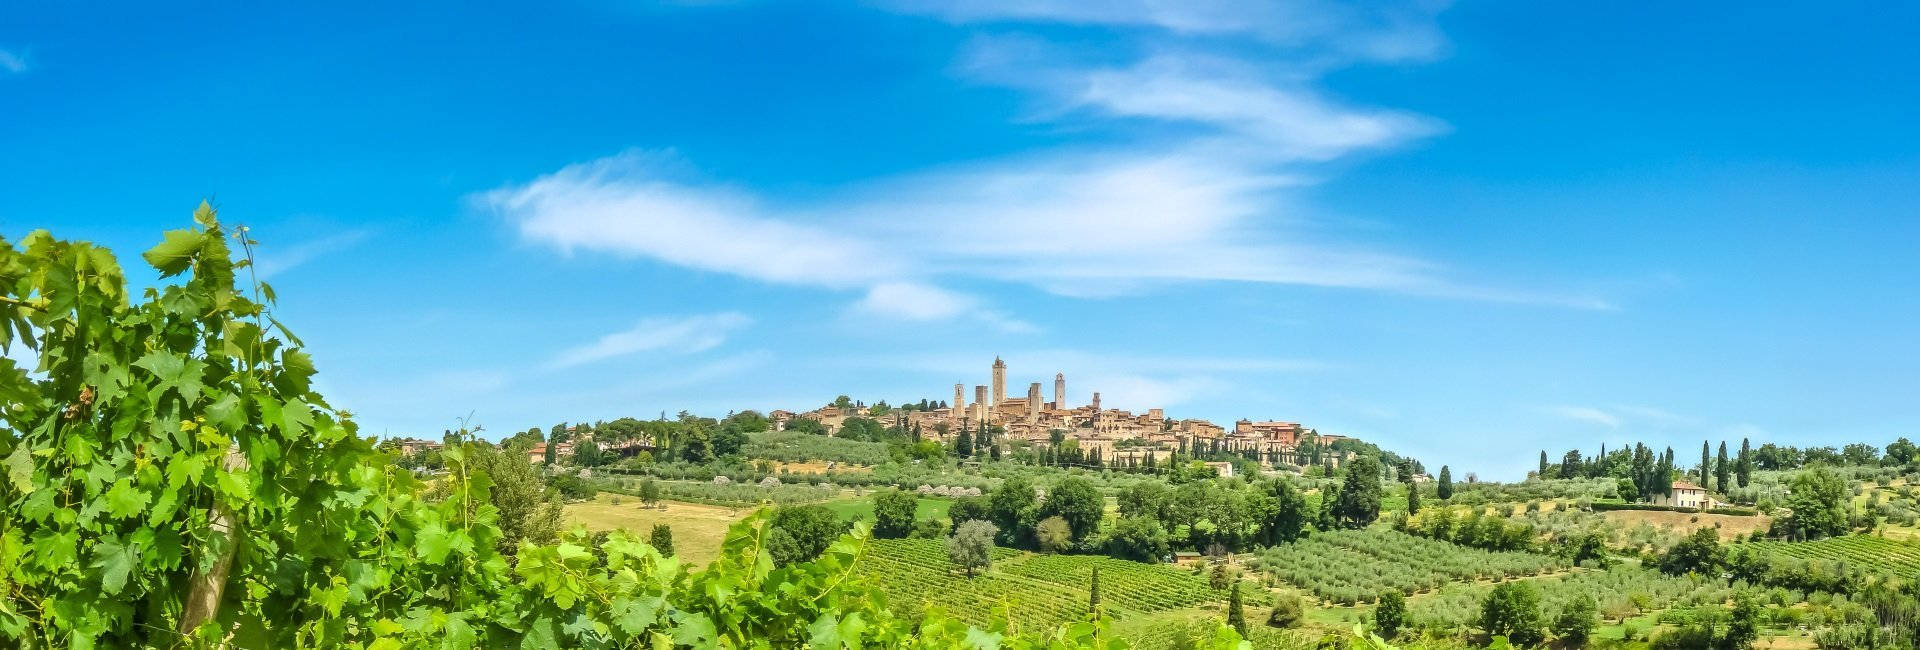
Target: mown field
x: 698, y: 529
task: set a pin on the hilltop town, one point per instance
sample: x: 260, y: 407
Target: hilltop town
x: 1117, y: 436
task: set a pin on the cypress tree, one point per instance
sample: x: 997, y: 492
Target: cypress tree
x: 1543, y: 465
x: 1236, y: 614
x: 1743, y: 468
x: 1446, y: 483
x: 1093, y: 592
x: 1706, y: 464
x: 1723, y: 472
x: 963, y: 445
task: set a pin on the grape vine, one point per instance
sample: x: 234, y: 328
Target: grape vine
x: 173, y: 480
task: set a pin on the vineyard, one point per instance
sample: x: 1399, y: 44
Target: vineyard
x: 748, y: 495
x: 1353, y: 566
x: 1620, y: 592
x: 1135, y: 586
x: 1872, y: 554
x: 795, y: 447
x: 1039, y: 591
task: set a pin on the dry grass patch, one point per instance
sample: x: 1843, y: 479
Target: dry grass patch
x: 698, y: 530
x: 1731, y: 526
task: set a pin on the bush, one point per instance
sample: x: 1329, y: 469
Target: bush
x: 1390, y: 613
x: 1512, y: 610
x: 893, y: 512
x: 1576, y: 623
x: 1288, y: 610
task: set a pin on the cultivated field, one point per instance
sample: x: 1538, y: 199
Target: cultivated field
x: 1351, y: 566
x: 697, y: 529
x: 1875, y: 554
x: 1731, y: 526
x: 1037, y: 590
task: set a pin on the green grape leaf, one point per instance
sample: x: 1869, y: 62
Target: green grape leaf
x: 19, y: 465
x: 176, y: 251
x: 54, y: 551
x: 115, y: 561
x: 296, y: 369
x: 125, y: 500
x: 433, y: 543
x: 635, y: 615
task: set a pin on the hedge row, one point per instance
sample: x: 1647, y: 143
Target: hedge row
x: 1612, y: 505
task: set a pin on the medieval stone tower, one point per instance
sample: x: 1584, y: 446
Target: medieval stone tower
x: 959, y: 406
x: 1060, y: 391
x: 1033, y: 403
x: 980, y: 403
x: 999, y: 382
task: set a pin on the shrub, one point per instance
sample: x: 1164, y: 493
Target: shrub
x: 1288, y: 610
x: 1512, y: 610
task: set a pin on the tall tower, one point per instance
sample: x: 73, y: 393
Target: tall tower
x: 959, y: 409
x: 1060, y: 391
x: 999, y: 381
x: 980, y: 403
x: 1096, y: 409
x: 1033, y: 403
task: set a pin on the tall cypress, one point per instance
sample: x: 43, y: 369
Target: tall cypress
x: 1706, y: 464
x: 1236, y: 614
x: 1743, y: 468
x: 1722, y: 471
x: 1445, y: 489
x: 1543, y: 465
x: 1093, y: 592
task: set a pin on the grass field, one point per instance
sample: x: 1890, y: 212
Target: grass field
x: 698, y: 530
x: 862, y: 508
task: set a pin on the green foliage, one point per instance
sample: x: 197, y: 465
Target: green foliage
x: 1014, y: 511
x: 796, y: 446
x: 1053, y: 535
x: 156, y: 438
x: 1236, y: 610
x: 1351, y: 566
x: 1744, y: 626
x: 1359, y: 502
x: 971, y: 547
x: 1512, y: 610
x: 1078, y: 503
x: 1576, y: 622
x: 572, y: 487
x: 1698, y: 553
x: 1445, y: 489
x: 1818, y: 498
x: 1138, y: 538
x: 1390, y: 614
x: 801, y: 533
x: 661, y: 539
x: 893, y: 513
x: 1289, y: 609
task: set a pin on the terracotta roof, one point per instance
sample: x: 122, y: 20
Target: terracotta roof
x: 1683, y: 485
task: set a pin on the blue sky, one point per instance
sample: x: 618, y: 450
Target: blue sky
x: 1463, y: 231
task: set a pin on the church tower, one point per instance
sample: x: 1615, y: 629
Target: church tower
x: 999, y: 382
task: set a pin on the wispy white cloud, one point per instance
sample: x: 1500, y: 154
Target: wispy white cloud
x: 914, y: 301
x: 1390, y: 31
x: 635, y: 204
x: 1588, y: 414
x: 273, y: 260
x: 13, y: 63
x: 673, y: 335
x: 1212, y: 202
